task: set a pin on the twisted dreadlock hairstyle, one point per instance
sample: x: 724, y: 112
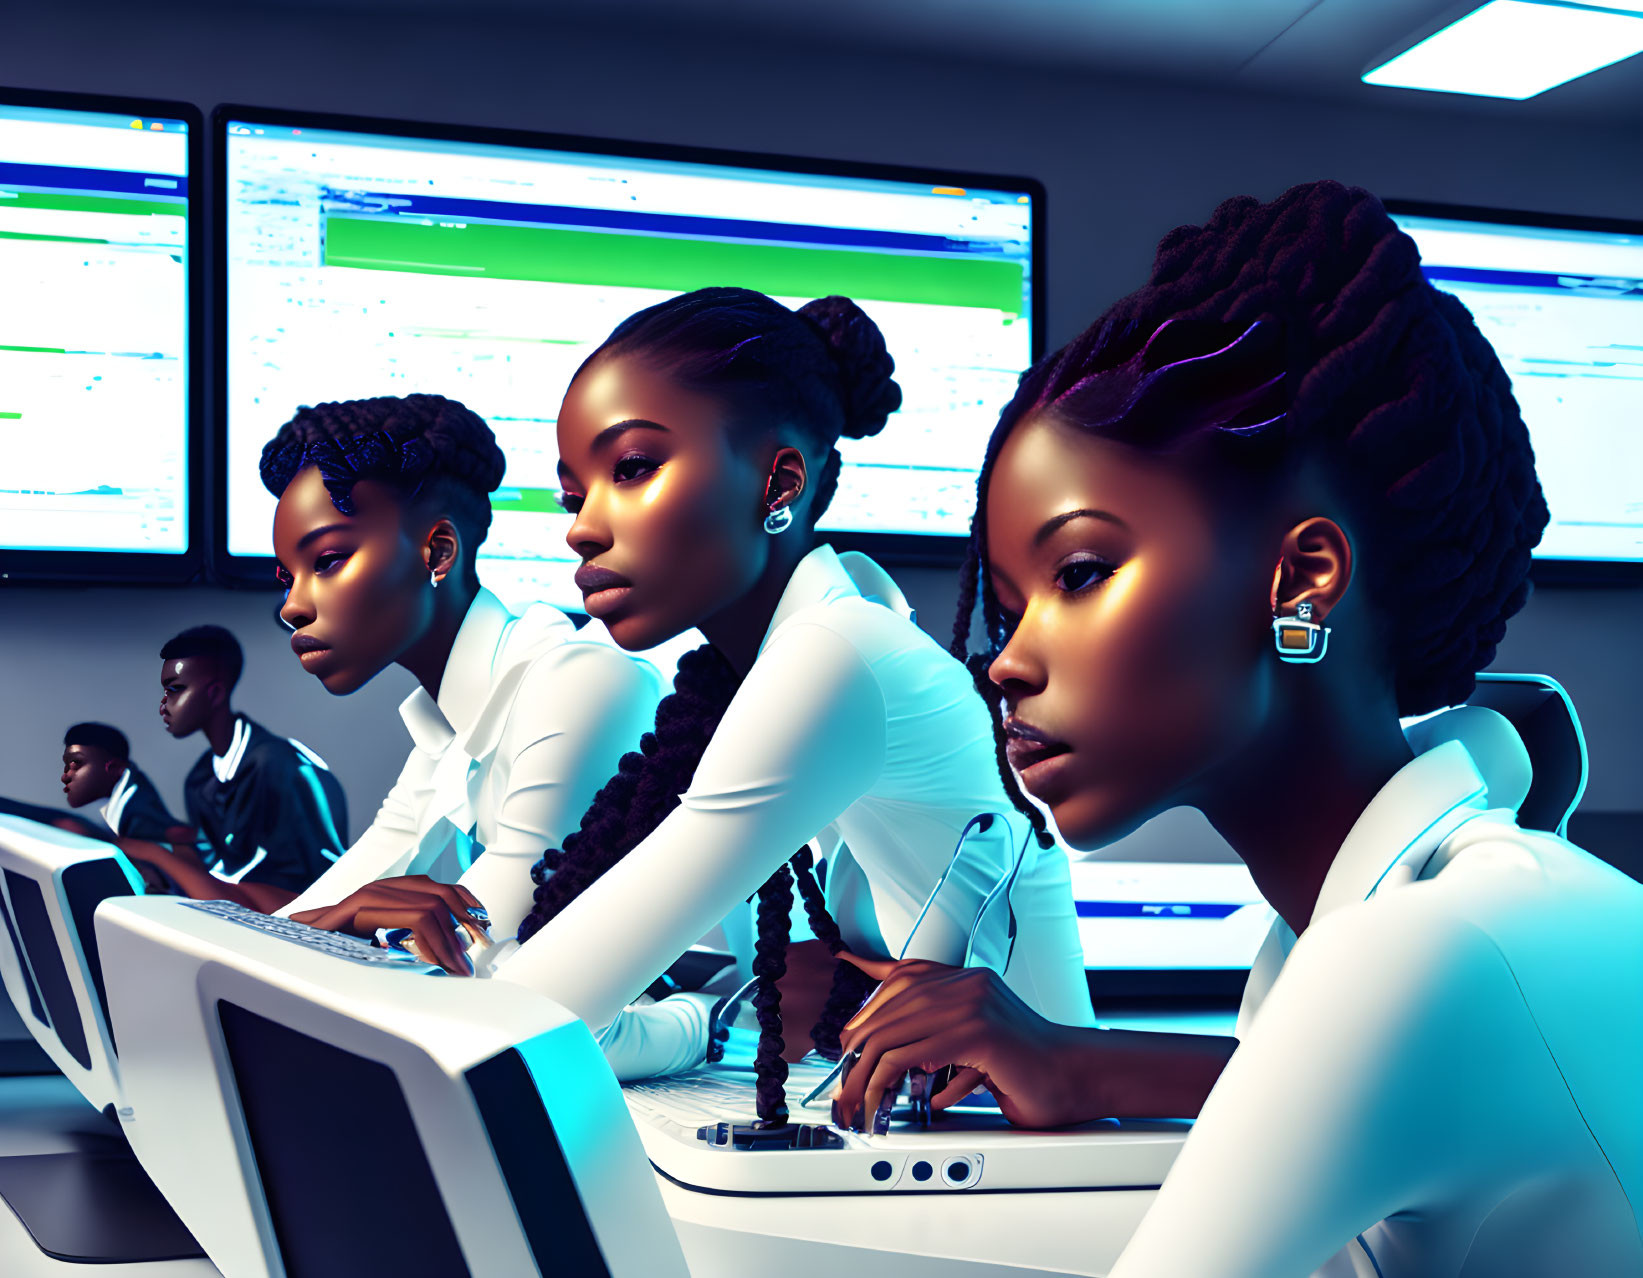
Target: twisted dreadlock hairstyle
x: 822, y: 371
x: 429, y: 449
x: 1303, y: 331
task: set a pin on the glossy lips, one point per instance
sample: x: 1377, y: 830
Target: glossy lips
x: 1027, y: 747
x: 602, y: 590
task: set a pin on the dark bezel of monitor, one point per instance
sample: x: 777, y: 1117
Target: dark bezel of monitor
x: 1545, y: 571
x: 36, y: 566
x: 895, y: 548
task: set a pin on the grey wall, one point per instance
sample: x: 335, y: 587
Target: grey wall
x: 1123, y: 163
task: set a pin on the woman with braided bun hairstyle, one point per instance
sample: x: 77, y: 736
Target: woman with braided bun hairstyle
x: 1267, y: 506
x: 698, y: 449
x: 383, y: 504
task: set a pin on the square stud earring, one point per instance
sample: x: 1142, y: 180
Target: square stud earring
x: 1299, y: 639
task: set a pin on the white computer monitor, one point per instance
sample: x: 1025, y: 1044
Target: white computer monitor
x: 1561, y: 301
x: 51, y: 883
x: 306, y: 1115
x: 96, y: 367
x: 367, y: 258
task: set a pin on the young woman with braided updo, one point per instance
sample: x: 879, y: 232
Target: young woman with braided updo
x: 1264, y: 507
x: 383, y: 504
x: 697, y: 450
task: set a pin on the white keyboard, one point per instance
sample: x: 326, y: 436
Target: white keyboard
x: 338, y: 944
x: 716, y: 1094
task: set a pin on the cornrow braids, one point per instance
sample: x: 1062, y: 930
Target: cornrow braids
x: 1303, y: 330
x: 423, y: 446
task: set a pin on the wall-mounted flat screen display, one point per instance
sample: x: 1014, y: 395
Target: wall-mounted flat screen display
x: 1561, y: 301
x: 369, y: 259
x: 94, y: 334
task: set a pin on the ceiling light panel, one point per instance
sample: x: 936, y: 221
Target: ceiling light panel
x: 1516, y: 49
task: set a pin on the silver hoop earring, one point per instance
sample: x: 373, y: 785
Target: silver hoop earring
x: 778, y: 520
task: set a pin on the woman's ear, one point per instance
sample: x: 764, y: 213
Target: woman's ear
x: 442, y: 549
x: 789, y: 476
x: 1314, y: 566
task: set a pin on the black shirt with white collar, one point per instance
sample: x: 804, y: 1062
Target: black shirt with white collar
x: 135, y: 810
x: 270, y: 810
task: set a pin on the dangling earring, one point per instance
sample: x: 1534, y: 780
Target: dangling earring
x: 780, y: 518
x: 1299, y: 639
x: 433, y: 580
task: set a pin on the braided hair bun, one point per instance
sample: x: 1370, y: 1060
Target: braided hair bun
x: 822, y: 369
x: 869, y: 393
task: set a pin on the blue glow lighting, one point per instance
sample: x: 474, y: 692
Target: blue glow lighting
x: 1516, y: 49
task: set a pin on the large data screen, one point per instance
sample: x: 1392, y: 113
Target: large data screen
x: 1564, y: 310
x: 366, y: 264
x: 93, y: 332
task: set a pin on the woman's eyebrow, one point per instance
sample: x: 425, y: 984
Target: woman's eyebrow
x: 633, y: 423
x: 319, y: 532
x: 1050, y: 526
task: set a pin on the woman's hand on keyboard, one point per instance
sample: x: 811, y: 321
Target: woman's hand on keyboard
x: 437, y: 914
x: 929, y: 1015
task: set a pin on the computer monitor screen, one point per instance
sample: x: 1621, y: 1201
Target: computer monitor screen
x: 1561, y: 301
x: 371, y: 260
x: 94, y: 334
x: 297, y: 1093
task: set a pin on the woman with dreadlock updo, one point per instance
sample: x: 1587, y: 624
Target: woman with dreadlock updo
x: 383, y: 504
x: 1268, y: 505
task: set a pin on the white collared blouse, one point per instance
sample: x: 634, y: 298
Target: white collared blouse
x: 853, y: 726
x: 1440, y: 1078
x: 529, y: 723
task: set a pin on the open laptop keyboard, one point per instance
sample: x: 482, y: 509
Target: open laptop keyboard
x: 337, y: 944
x: 716, y: 1094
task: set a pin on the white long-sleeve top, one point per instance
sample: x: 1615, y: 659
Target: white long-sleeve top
x: 529, y: 723
x: 852, y: 725
x: 1440, y: 1078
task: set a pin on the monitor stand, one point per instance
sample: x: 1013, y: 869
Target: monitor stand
x: 94, y: 1206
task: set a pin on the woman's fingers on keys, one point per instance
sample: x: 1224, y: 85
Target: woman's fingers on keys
x: 431, y: 933
x: 464, y: 906
x: 886, y: 1076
